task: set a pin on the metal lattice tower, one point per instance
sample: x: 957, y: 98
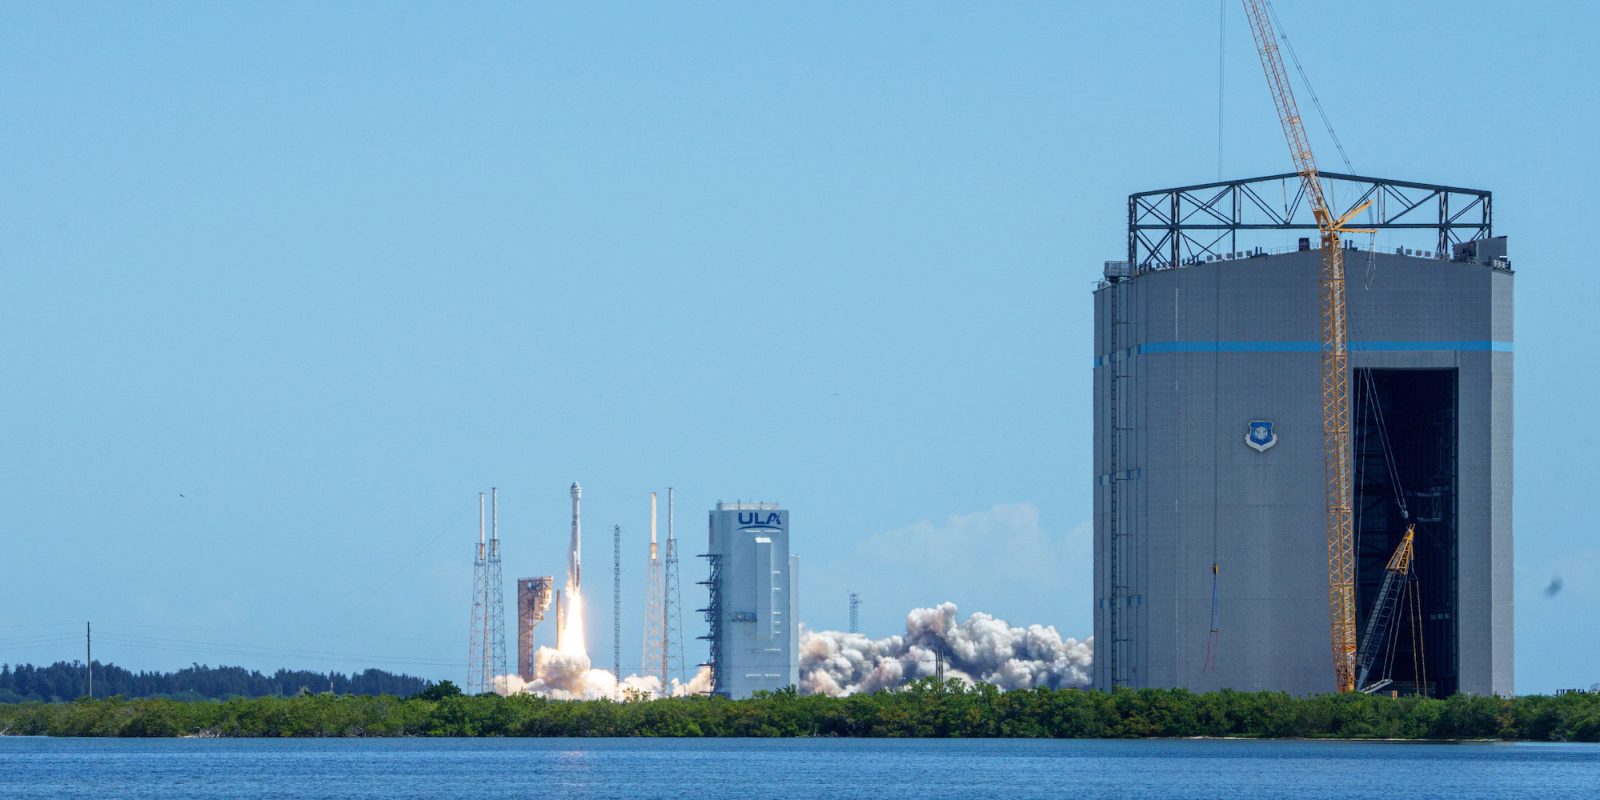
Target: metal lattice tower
x: 713, y: 612
x: 497, y: 595
x: 486, y: 649
x: 478, y: 660
x: 616, y: 600
x: 672, y: 638
x: 655, y: 654
x: 855, y: 612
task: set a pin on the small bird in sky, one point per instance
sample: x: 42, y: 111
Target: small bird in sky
x: 1554, y: 588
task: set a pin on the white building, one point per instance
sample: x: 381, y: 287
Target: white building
x: 755, y: 635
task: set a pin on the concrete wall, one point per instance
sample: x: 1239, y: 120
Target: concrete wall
x: 1205, y: 349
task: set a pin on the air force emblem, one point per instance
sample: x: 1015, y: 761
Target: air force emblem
x: 1260, y: 435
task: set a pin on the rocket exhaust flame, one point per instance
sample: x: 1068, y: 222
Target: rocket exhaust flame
x: 564, y: 672
x: 980, y: 648
x: 570, y: 639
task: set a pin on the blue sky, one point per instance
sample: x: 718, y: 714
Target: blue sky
x: 283, y: 286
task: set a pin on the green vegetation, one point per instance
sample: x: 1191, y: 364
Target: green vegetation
x: 924, y: 708
x: 65, y: 680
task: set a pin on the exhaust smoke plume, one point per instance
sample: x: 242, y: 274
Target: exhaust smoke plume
x: 563, y: 676
x: 981, y: 648
x: 565, y: 672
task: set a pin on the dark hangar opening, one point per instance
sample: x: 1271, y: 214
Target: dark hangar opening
x: 1416, y: 410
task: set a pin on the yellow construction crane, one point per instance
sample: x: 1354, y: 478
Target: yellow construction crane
x: 1335, y: 359
x: 1395, y: 575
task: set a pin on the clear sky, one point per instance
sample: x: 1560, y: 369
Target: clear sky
x: 283, y: 286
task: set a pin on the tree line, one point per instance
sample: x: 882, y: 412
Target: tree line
x: 66, y: 680
x: 924, y: 708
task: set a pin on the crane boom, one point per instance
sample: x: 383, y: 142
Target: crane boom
x: 1394, y: 576
x: 1335, y: 354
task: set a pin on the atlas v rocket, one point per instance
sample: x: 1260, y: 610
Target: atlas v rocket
x: 575, y: 550
x: 574, y: 566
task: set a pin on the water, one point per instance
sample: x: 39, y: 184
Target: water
x: 746, y: 769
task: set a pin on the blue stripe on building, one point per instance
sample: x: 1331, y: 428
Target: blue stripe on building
x: 1478, y: 346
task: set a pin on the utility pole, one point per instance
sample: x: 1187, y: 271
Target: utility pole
x: 88, y: 655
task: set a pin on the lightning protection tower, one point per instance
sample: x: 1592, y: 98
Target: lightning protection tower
x: 655, y: 653
x: 855, y: 612
x: 616, y: 600
x: 672, y: 638
x: 497, y: 595
x: 478, y: 630
x: 486, y: 652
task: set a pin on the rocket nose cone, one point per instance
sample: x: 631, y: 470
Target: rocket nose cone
x: 576, y: 489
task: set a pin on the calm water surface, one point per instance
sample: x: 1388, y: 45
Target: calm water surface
x: 744, y: 769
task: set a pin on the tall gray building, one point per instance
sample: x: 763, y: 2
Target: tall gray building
x: 754, y: 602
x: 1211, y: 548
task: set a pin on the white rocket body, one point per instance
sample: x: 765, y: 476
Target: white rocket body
x: 575, y: 550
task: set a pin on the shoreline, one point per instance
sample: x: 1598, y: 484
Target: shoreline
x: 921, y: 710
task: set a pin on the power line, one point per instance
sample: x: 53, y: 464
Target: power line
x: 389, y: 576
x: 109, y: 634
x: 38, y: 639
x: 256, y: 651
x: 269, y: 632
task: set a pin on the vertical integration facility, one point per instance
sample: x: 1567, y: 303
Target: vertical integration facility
x: 533, y: 601
x: 754, y: 602
x: 1211, y: 553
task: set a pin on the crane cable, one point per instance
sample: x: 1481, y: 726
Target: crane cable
x: 1383, y: 436
x: 1222, y: 49
x: 1316, y: 102
x: 1419, y: 652
x: 1412, y: 591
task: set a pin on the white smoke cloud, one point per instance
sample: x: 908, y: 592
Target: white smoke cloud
x: 978, y: 649
x: 981, y: 648
x: 569, y: 676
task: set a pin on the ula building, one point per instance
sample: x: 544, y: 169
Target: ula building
x: 753, y: 611
x: 1211, y: 549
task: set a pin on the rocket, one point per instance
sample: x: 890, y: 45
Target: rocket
x: 575, y: 550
